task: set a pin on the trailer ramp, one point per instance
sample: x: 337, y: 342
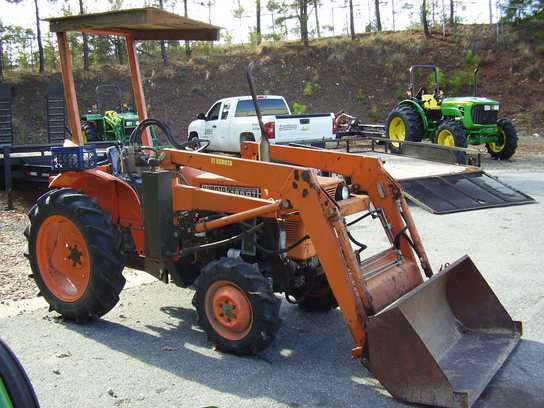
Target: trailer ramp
x: 465, y: 191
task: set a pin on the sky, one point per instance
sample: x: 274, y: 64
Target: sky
x: 333, y: 14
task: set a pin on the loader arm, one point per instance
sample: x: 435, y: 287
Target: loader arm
x: 366, y: 174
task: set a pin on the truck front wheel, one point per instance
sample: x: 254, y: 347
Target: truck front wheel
x: 75, y: 255
x: 507, y: 144
x: 236, y: 306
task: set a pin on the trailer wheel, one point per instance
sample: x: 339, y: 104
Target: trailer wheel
x: 89, y: 132
x: 236, y: 306
x: 508, y: 141
x: 75, y: 255
x: 403, y: 123
x: 451, y: 133
x: 320, y: 298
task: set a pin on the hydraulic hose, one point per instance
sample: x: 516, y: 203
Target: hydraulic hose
x: 136, y: 135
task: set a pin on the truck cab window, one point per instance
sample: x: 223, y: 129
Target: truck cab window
x: 213, y: 114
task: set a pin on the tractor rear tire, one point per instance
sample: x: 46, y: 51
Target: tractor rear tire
x: 452, y: 133
x: 509, y: 141
x: 75, y: 255
x: 236, y: 306
x: 89, y: 132
x: 404, y: 123
x: 320, y: 299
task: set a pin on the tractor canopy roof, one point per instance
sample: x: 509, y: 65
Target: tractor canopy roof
x: 141, y: 24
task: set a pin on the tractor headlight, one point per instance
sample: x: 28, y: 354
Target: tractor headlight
x: 487, y: 107
x: 495, y: 107
x: 342, y: 192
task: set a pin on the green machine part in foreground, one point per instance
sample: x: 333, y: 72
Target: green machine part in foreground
x: 15, y: 387
x: 450, y: 121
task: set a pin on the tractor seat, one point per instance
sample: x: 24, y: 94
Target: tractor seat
x: 114, y: 158
x: 113, y: 154
x: 430, y: 102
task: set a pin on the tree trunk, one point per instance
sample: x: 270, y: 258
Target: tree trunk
x: 424, y: 18
x: 1, y: 60
x: 316, y: 6
x: 85, y: 42
x: 163, y: 43
x: 452, y: 18
x: 39, y: 38
x: 303, y: 19
x: 258, y: 28
x: 187, y: 43
x: 351, y: 20
x: 378, y: 19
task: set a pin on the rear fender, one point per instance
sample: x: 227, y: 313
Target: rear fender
x: 113, y: 195
x: 419, y: 110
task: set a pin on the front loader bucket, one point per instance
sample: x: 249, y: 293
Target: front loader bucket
x: 442, y: 343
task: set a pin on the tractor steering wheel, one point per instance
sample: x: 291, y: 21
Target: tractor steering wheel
x: 194, y: 144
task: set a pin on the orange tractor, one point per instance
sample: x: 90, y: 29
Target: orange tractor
x: 242, y: 229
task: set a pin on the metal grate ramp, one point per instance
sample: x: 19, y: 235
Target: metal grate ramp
x: 6, y: 127
x: 55, y: 113
x: 465, y: 191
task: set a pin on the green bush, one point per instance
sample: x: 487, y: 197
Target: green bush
x: 310, y: 87
x: 470, y: 59
x: 299, y: 109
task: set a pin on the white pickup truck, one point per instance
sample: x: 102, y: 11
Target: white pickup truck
x: 231, y: 121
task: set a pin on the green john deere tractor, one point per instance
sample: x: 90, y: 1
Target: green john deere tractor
x: 450, y: 121
x: 115, y: 124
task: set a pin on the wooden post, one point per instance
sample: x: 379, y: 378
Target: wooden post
x: 69, y: 88
x: 138, y: 88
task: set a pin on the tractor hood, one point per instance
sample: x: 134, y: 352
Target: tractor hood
x: 468, y: 101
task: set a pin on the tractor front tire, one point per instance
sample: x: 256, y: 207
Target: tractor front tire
x: 75, y: 255
x: 452, y: 133
x: 236, y: 306
x: 404, y: 123
x: 508, y: 141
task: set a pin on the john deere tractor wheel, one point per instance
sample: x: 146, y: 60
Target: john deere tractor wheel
x: 508, y: 141
x: 75, y: 255
x: 403, y: 123
x: 236, y: 306
x: 451, y: 133
x: 320, y: 297
x: 89, y: 132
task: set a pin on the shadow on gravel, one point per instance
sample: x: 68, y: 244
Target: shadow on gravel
x: 308, y: 364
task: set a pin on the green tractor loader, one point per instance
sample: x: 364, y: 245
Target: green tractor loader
x: 449, y: 121
x: 115, y: 124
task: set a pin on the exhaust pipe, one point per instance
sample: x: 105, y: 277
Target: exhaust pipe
x: 264, y: 145
x: 443, y: 342
x: 475, y: 82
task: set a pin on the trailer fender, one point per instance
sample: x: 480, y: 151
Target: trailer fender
x: 113, y: 195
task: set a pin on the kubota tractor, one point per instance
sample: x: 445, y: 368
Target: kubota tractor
x: 241, y: 230
x: 450, y: 121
